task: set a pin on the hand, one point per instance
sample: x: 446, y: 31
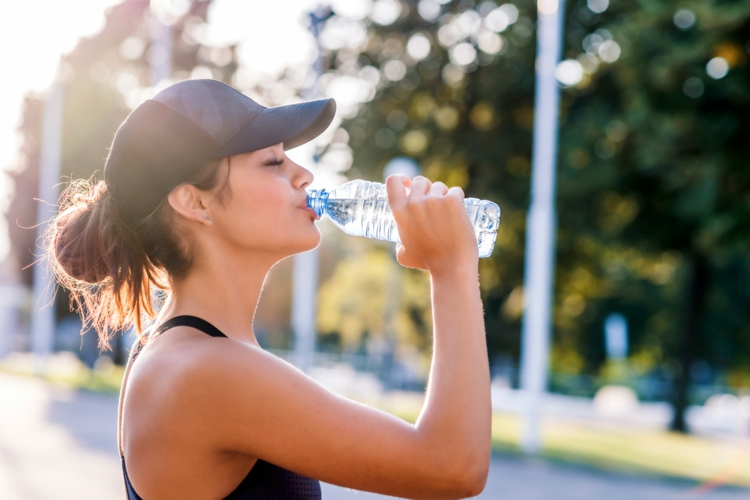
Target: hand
x: 436, y: 233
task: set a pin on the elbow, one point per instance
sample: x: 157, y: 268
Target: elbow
x: 468, y: 476
x: 473, y: 480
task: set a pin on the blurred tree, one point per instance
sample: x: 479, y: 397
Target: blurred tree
x: 352, y: 303
x: 653, y: 217
x: 662, y: 103
x: 105, y: 77
x: 436, y: 98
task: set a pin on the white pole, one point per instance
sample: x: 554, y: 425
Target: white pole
x: 13, y: 299
x: 541, y: 223
x: 43, y: 311
x: 160, y: 53
x: 305, y: 279
x: 304, y: 294
x: 409, y: 167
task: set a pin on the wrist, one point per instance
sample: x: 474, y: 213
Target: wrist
x: 453, y: 272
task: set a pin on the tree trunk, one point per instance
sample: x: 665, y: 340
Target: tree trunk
x: 694, y: 305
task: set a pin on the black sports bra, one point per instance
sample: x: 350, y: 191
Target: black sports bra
x: 265, y: 481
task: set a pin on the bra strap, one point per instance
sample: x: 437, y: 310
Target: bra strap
x: 191, y: 321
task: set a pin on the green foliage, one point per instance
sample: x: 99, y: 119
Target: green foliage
x: 356, y: 301
x: 652, y: 172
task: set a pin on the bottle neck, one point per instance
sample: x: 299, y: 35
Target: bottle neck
x: 317, y: 199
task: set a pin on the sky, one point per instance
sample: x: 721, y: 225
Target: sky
x: 272, y: 36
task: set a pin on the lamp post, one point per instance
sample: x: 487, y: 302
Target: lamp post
x: 541, y: 222
x: 305, y: 277
x: 160, y: 52
x: 43, y: 289
x: 406, y: 166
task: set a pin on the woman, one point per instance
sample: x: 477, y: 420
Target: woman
x: 200, y: 200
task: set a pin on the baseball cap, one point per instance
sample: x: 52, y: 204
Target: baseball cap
x: 170, y: 136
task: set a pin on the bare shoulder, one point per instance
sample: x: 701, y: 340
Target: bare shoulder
x: 189, y: 361
x: 206, y: 376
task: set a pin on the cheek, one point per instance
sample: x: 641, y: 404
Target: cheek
x: 262, y: 214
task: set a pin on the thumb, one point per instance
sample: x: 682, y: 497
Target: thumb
x: 396, y: 186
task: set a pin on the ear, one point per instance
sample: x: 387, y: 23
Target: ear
x: 189, y: 202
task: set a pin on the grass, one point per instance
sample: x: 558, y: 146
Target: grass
x: 67, y: 371
x: 712, y: 462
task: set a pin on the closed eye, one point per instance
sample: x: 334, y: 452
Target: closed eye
x: 273, y: 163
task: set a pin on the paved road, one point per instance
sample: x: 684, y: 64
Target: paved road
x: 60, y: 444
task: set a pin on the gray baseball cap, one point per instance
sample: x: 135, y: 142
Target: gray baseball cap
x: 170, y: 136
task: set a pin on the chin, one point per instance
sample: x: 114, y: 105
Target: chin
x: 313, y: 242
x: 309, y: 242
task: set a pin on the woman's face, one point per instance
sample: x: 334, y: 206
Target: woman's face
x: 265, y: 208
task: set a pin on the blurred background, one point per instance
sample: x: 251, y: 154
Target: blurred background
x: 632, y: 375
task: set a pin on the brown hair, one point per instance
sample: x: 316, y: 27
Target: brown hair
x: 112, y: 266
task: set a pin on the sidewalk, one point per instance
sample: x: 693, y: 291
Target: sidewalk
x: 60, y: 444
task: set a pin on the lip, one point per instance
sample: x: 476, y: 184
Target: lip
x: 308, y: 209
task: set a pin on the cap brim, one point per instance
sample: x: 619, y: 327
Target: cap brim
x: 292, y: 125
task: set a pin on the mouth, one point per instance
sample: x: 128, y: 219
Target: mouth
x: 304, y: 206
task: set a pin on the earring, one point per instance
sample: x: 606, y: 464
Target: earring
x: 206, y: 218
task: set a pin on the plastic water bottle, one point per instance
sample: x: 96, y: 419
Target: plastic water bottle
x: 360, y: 208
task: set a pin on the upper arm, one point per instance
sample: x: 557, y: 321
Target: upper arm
x: 259, y: 405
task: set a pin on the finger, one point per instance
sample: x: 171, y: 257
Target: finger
x: 396, y: 187
x: 456, y: 191
x: 438, y: 188
x: 420, y: 185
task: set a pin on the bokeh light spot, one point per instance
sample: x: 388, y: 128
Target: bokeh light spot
x: 511, y: 11
x: 448, y: 35
x: 415, y: 142
x: 569, y: 72
x: 429, y: 9
x: 126, y: 82
x: 717, y: 68
x: 490, y: 43
x: 482, y: 116
x: 201, y: 72
x: 385, y: 12
x: 597, y: 6
x: 447, y: 118
x: 394, y: 70
x: 132, y: 48
x: 469, y: 22
x: 609, y: 51
x: 497, y: 20
x: 418, y: 46
x: 684, y: 19
x: 485, y: 8
x: 693, y: 87
x: 340, y: 32
x: 352, y: 10
x: 463, y: 54
x: 385, y: 138
x: 616, y: 130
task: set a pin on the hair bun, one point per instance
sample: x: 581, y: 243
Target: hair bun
x: 83, y: 236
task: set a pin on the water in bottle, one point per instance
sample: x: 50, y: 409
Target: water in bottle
x: 360, y: 208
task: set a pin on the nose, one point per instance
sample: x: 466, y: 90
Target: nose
x: 302, y: 177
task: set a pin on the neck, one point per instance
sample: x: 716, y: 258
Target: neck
x: 222, y: 289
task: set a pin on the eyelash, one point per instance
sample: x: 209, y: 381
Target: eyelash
x: 275, y: 163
